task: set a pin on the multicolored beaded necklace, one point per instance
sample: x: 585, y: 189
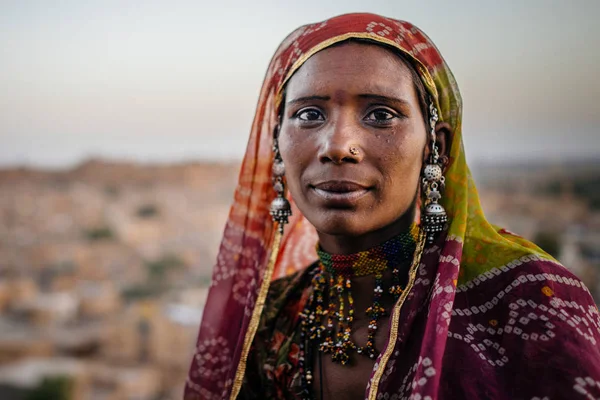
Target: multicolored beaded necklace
x: 325, y: 323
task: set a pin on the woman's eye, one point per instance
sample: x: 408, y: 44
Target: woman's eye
x: 380, y: 116
x: 310, y: 115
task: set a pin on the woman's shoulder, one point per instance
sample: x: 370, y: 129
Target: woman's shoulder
x: 526, y: 271
x: 532, y: 284
x: 530, y: 314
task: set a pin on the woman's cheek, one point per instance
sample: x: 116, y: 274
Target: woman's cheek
x: 286, y: 147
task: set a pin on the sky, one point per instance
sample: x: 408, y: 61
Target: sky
x: 158, y: 81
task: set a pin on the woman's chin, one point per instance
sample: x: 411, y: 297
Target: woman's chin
x: 356, y: 223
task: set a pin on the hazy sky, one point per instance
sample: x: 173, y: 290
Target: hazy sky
x: 176, y: 80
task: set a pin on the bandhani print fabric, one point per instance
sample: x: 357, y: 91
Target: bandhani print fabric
x: 489, y: 316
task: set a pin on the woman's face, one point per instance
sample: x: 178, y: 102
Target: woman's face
x: 352, y: 139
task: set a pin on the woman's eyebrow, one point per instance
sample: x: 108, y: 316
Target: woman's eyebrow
x: 308, y: 98
x: 383, y: 98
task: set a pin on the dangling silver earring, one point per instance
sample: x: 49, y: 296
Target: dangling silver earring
x: 433, y: 181
x: 280, y: 206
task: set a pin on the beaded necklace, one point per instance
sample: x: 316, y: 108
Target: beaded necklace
x: 325, y: 323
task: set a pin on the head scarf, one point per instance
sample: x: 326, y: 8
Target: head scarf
x: 248, y: 259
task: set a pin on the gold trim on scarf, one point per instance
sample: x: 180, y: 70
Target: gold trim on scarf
x: 424, y: 72
x: 255, y: 319
x: 396, y: 319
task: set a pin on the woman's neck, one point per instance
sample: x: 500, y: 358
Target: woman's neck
x: 343, y: 244
x: 390, y: 260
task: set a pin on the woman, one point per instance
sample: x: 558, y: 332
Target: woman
x: 411, y: 293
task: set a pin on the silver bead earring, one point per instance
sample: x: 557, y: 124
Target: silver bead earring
x: 433, y: 181
x: 280, y: 206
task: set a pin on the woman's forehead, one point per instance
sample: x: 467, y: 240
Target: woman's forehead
x: 348, y: 68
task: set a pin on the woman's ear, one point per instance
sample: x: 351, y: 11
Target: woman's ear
x: 443, y: 133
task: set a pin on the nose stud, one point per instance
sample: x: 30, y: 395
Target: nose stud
x: 354, y: 150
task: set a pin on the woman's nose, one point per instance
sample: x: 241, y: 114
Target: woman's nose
x: 340, y: 144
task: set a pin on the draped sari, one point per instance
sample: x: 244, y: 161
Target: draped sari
x: 488, y: 314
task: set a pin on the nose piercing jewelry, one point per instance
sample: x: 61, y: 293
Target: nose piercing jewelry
x: 354, y: 151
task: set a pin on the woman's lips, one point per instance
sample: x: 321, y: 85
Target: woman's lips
x: 342, y: 193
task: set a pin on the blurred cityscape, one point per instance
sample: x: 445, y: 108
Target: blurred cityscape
x: 104, y: 268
